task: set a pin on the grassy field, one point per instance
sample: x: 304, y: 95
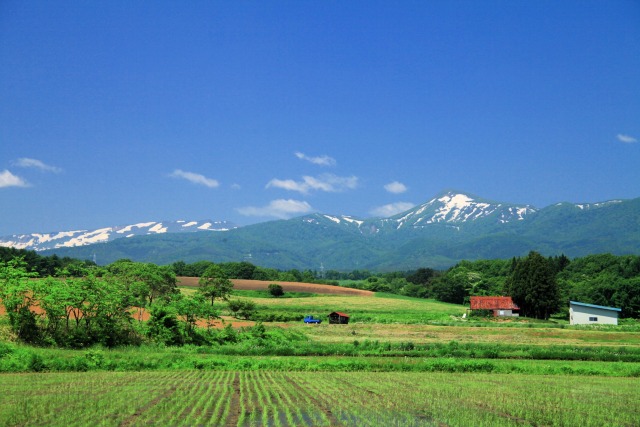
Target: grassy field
x: 464, y: 333
x: 400, y: 361
x: 362, y: 309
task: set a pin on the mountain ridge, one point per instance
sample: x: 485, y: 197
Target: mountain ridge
x: 61, y: 239
x: 438, y: 233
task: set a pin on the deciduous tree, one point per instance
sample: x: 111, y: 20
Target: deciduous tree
x: 215, y: 284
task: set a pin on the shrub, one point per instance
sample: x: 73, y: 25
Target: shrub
x: 244, y: 309
x: 36, y: 363
x: 275, y: 290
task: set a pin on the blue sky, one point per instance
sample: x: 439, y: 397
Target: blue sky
x: 120, y: 112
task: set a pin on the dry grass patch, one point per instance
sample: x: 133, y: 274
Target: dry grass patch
x: 423, y: 334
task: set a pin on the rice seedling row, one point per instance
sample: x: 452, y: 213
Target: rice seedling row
x: 274, y: 399
x: 293, y: 410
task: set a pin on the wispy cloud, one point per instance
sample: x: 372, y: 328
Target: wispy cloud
x: 320, y: 160
x: 627, y: 139
x: 395, y: 187
x: 326, y: 182
x: 7, y: 179
x: 26, y: 162
x: 195, y: 178
x: 280, y: 208
x: 391, y: 209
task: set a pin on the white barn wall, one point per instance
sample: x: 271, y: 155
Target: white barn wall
x: 580, y: 315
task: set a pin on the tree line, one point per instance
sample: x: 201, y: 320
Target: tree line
x: 541, y: 286
x: 107, y: 305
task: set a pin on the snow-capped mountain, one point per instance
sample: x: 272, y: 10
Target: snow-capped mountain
x: 67, y: 239
x: 455, y: 208
x: 450, y: 227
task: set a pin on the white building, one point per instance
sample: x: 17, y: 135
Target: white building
x: 589, y: 314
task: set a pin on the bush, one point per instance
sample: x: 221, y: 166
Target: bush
x: 244, y: 309
x: 36, y: 363
x: 275, y: 290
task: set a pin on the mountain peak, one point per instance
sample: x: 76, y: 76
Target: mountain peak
x: 455, y: 207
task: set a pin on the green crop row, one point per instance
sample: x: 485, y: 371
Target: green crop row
x: 260, y: 398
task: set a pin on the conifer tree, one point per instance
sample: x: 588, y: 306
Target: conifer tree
x: 533, y: 286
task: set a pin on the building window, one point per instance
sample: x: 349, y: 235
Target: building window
x: 593, y: 319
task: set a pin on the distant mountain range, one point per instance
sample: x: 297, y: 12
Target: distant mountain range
x: 451, y: 227
x: 68, y: 239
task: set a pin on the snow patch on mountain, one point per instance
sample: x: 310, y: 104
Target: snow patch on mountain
x: 352, y: 220
x: 158, y: 228
x: 89, y: 238
x: 332, y: 218
x: 454, y: 208
x: 343, y: 219
x: 128, y: 228
x: 65, y: 239
x: 589, y: 206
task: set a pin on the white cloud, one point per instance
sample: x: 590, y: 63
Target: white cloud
x: 395, y: 187
x: 195, y: 178
x: 26, y: 162
x: 288, y: 184
x: 320, y: 160
x: 280, y: 208
x: 391, y: 209
x: 627, y: 139
x: 7, y: 179
x: 326, y: 182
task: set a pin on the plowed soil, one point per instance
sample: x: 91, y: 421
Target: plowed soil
x: 258, y: 285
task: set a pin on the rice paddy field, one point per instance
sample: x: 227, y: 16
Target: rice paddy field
x: 272, y: 398
x: 399, y: 362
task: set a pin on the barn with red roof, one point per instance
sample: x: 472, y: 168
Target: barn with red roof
x: 338, y: 318
x: 500, y: 306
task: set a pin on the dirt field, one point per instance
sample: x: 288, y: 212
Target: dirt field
x: 253, y: 285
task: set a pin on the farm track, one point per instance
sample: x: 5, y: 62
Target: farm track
x: 234, y: 409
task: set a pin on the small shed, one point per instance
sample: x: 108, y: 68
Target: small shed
x: 581, y: 313
x: 500, y: 306
x: 338, y: 318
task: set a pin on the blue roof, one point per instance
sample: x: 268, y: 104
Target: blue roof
x: 595, y: 306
